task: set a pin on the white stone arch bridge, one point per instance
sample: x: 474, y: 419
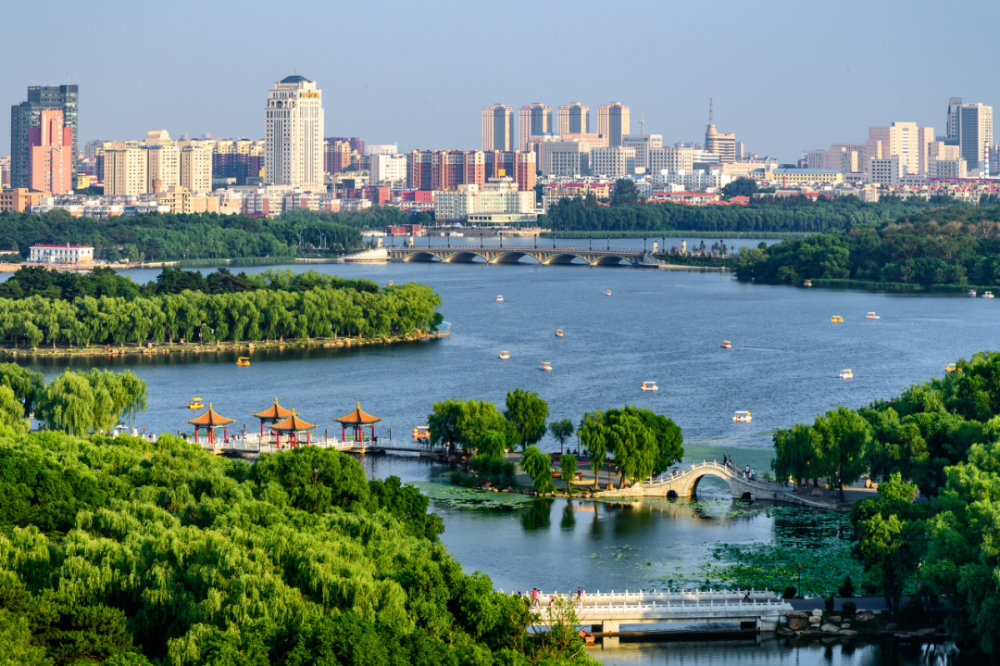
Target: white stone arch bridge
x: 683, y: 483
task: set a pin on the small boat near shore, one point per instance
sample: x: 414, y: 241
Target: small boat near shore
x: 807, y: 283
x: 971, y: 292
x: 950, y: 368
x: 505, y: 356
x: 545, y: 366
x: 559, y: 333
x: 195, y: 403
x: 742, y: 416
x: 726, y: 344
x: 650, y: 386
x: 987, y: 294
x: 243, y: 360
x: 846, y: 374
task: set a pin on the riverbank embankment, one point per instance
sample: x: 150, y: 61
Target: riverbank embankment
x: 156, y: 348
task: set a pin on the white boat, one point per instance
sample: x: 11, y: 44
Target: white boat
x: 846, y: 374
x: 545, y: 366
x: 499, y: 298
x: 987, y: 294
x: 872, y: 315
x: 504, y: 356
x: 650, y: 386
x: 971, y: 292
x: 607, y: 292
x: 726, y: 344
x: 742, y: 416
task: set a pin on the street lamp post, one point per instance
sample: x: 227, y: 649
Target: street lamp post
x: 800, y: 582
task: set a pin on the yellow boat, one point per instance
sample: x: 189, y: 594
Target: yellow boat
x: 559, y: 333
x: 950, y: 368
x: 837, y: 319
x: 726, y: 344
x: 545, y: 366
x: 196, y: 403
x: 807, y: 283
x: 243, y: 360
x: 650, y: 386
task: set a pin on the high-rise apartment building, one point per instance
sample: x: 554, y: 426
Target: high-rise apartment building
x: 905, y: 140
x: 387, y: 169
x: 534, y: 119
x: 337, y: 155
x: 951, y: 136
x: 718, y: 143
x: 573, y: 118
x: 27, y: 115
x: 196, y: 167
x: 241, y: 160
x: 613, y: 162
x: 447, y: 169
x: 163, y: 161
x: 125, y: 169
x: 642, y: 143
x: 975, y: 136
x: 569, y: 155
x: 293, y: 136
x: 498, y: 127
x: 381, y: 149
x: 613, y: 121
x: 670, y: 159
x: 50, y: 156
x: 4, y: 171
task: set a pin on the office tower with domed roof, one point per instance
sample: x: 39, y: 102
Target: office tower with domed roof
x: 293, y: 136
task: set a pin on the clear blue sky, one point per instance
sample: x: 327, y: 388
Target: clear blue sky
x: 786, y: 77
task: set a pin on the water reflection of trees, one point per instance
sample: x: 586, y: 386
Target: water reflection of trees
x: 568, y: 521
x: 537, y: 515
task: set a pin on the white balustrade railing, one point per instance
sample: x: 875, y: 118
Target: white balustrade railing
x: 597, y: 597
x: 694, y: 467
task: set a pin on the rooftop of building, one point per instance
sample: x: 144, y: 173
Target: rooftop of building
x: 295, y: 78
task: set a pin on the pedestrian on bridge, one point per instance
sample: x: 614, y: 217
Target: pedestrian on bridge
x: 746, y: 597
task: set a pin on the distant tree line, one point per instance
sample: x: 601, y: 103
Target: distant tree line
x: 955, y: 246
x: 169, y: 237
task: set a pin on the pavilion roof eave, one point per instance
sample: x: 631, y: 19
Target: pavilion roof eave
x: 358, y: 417
x: 293, y: 424
x: 211, y: 419
x: 274, y: 412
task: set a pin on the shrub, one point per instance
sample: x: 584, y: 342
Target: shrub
x: 850, y: 608
x: 847, y: 589
x: 828, y: 603
x: 789, y: 592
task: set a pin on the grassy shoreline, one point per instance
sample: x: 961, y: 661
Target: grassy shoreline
x: 158, y: 348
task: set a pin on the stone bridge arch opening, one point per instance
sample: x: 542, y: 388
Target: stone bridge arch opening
x: 422, y: 257
x: 466, y: 258
x: 515, y: 257
x: 565, y: 259
x: 714, y: 474
x: 612, y: 260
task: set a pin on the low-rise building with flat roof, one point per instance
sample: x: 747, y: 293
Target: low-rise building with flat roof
x: 62, y: 254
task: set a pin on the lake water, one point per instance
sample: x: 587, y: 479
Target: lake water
x: 656, y: 326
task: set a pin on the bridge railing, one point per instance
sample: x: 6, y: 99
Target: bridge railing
x: 667, y: 595
x: 715, y: 465
x: 667, y: 607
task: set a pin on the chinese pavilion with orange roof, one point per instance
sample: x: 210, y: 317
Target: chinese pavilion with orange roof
x: 357, y: 420
x: 272, y: 414
x: 211, y: 421
x: 292, y: 426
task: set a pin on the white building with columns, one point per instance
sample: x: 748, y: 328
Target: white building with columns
x: 293, y: 153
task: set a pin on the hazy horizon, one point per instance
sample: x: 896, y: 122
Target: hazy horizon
x: 419, y: 76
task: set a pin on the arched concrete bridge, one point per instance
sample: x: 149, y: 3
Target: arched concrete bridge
x: 684, y: 481
x: 552, y: 256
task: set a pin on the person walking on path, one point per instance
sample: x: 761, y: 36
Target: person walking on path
x: 746, y: 597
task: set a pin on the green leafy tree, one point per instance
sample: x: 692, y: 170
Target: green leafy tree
x: 562, y: 430
x: 625, y: 193
x: 68, y: 404
x: 795, y: 454
x: 527, y: 412
x: 887, y: 540
x: 594, y: 438
x: 567, y: 464
x: 843, y: 439
x: 536, y: 465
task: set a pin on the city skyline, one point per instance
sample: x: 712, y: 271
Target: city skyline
x: 780, y: 106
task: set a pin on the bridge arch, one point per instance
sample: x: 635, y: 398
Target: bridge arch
x: 511, y: 257
x: 564, y: 259
x: 464, y: 258
x: 424, y: 257
x: 610, y: 260
x: 701, y: 473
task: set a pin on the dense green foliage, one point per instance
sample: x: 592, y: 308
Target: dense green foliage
x: 953, y: 246
x: 941, y: 440
x: 155, y: 237
x: 641, y: 443
x: 278, y: 305
x: 777, y: 215
x: 80, y: 403
x: 527, y: 412
x: 375, y: 217
x: 56, y: 285
x: 118, y: 551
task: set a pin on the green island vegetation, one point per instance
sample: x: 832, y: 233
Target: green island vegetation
x: 40, y: 306
x: 119, y: 551
x: 626, y: 211
x: 937, y: 443
x: 952, y: 248
x: 639, y: 442
x: 168, y: 237
x: 375, y: 217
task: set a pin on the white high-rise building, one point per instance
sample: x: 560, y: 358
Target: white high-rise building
x: 389, y: 170
x: 381, y: 149
x: 293, y: 153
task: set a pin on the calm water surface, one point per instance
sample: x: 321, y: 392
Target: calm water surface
x: 657, y: 325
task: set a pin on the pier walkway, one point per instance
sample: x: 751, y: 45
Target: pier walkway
x: 252, y: 445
